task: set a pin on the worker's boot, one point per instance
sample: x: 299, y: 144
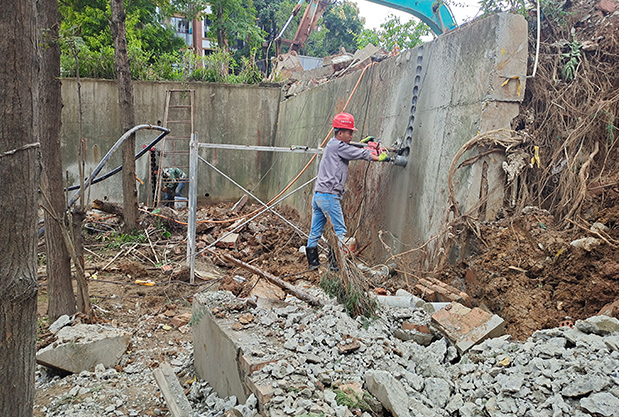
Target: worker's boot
x: 333, y: 266
x: 312, y: 257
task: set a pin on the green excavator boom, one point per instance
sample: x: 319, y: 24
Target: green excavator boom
x: 433, y: 13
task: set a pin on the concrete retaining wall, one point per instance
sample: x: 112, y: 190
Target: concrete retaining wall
x: 222, y: 114
x: 462, y: 92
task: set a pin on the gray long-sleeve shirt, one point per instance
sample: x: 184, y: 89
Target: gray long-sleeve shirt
x: 333, y: 170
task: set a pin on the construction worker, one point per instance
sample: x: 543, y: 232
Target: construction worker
x: 174, y: 180
x: 329, y: 187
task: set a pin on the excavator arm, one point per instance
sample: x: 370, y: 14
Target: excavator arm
x: 433, y: 13
x: 313, y: 13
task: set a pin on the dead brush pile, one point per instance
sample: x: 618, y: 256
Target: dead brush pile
x: 571, y: 110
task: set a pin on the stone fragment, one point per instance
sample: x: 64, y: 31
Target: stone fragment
x: 438, y: 391
x: 348, y: 345
x: 264, y: 289
x: 466, y: 327
x: 612, y: 342
x: 228, y: 242
x: 586, y: 243
x: 602, y: 403
x: 180, y: 320
x: 607, y: 6
x: 246, y: 318
x: 611, y: 309
x: 61, y: 322
x: 583, y: 385
x: 83, y: 346
x: 389, y: 391
x: 600, y: 325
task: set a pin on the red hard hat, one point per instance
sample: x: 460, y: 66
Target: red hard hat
x: 344, y: 121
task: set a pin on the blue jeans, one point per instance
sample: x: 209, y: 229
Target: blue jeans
x: 324, y: 204
x: 170, y: 194
x: 180, y: 187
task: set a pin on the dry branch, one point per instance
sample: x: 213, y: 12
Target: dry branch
x: 301, y: 295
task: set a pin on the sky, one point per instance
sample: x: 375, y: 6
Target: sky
x: 375, y: 14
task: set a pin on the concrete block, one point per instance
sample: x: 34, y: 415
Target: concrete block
x: 365, y: 53
x: 223, y: 356
x: 79, y: 348
x: 441, y: 291
x: 228, y: 241
x: 466, y: 327
x: 172, y: 391
x: 313, y: 74
x: 389, y: 391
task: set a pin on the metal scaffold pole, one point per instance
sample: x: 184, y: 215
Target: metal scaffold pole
x: 192, y: 205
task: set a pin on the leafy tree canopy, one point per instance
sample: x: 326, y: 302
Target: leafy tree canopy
x: 340, y: 26
x: 233, y: 20
x: 394, y: 34
x: 86, y: 35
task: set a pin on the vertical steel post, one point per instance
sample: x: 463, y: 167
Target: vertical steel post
x: 192, y: 205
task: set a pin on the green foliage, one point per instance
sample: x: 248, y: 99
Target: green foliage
x: 572, y: 61
x: 232, y: 20
x: 155, y: 52
x: 167, y: 67
x: 86, y: 40
x: 117, y: 240
x: 394, y: 34
x: 197, y: 316
x: 497, y: 6
x: 272, y: 16
x: 610, y: 130
x: 249, y: 73
x: 351, y: 400
x: 338, y: 28
x: 356, y: 301
x: 212, y: 68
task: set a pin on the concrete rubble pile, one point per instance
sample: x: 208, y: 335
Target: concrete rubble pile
x: 332, y: 67
x: 302, y: 361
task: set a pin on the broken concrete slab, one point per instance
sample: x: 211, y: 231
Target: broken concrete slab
x: 83, y: 346
x: 61, y: 322
x: 172, y: 391
x: 466, y: 327
x: 313, y: 74
x: 600, y: 325
x: 229, y: 241
x: 227, y: 358
x: 338, y: 62
x: 389, y: 391
x: 365, y: 53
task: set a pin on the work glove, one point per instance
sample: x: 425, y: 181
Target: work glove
x: 368, y: 139
x: 383, y: 157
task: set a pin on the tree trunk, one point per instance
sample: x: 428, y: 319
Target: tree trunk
x: 127, y: 117
x: 222, y: 41
x: 20, y: 172
x: 60, y: 297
